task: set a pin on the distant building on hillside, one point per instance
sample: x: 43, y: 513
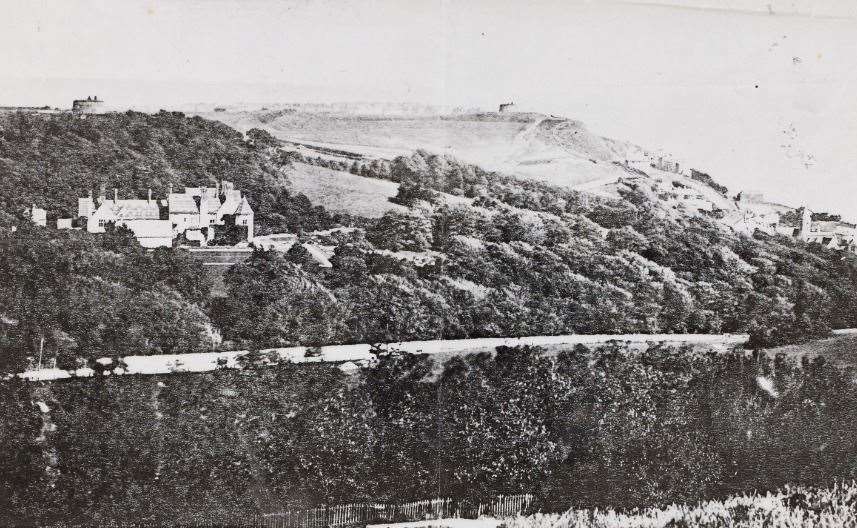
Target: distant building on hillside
x: 833, y: 234
x: 819, y: 228
x: 37, y: 215
x: 90, y: 105
x: 507, y: 107
x: 194, y: 213
x: 667, y: 165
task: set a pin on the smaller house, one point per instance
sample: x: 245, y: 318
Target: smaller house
x: 37, y: 215
x: 833, y: 234
x: 64, y: 223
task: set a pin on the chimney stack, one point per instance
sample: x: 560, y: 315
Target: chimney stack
x: 170, y: 191
x: 115, y: 194
x: 149, y: 199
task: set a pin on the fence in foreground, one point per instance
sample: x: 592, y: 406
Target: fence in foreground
x: 369, y: 513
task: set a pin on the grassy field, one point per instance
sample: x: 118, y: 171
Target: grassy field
x: 343, y: 191
x: 554, y: 150
x: 788, y: 508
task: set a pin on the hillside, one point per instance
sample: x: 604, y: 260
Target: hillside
x: 441, y: 248
x: 342, y: 191
x: 550, y: 149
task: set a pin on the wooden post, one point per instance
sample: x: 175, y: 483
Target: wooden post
x: 41, y: 349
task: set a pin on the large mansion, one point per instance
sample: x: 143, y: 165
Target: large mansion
x: 195, y: 214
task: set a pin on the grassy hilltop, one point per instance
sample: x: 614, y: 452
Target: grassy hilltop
x: 529, y: 145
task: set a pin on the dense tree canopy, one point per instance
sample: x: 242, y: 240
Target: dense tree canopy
x: 63, y: 297
x: 610, y: 426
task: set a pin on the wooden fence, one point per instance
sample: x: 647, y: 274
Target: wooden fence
x: 369, y: 513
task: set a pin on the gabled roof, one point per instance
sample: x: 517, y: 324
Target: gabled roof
x: 244, y: 207
x: 131, y: 209
x: 209, y: 204
x: 181, y: 203
x: 228, y: 207
x: 138, y: 209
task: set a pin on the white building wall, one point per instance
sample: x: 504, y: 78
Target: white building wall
x: 95, y: 223
x: 85, y: 206
x: 184, y: 221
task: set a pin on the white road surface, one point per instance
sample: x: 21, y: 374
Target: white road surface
x: 208, y: 361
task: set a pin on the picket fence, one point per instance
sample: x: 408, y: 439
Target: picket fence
x: 356, y: 514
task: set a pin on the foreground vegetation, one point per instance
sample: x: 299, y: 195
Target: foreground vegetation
x: 791, y: 507
x: 598, y: 427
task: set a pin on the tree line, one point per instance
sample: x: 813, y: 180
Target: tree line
x: 610, y: 426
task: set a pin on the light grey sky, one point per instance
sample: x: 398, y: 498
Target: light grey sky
x: 760, y: 93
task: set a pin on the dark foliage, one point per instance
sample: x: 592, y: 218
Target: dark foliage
x: 708, y: 180
x: 533, y: 259
x: 68, y: 294
x: 587, y: 427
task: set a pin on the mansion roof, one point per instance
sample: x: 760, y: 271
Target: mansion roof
x: 182, y: 203
x: 244, y: 208
x: 131, y: 209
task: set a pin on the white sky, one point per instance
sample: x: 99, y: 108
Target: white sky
x: 681, y: 75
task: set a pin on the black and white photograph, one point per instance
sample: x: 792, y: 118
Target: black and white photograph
x: 428, y: 263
